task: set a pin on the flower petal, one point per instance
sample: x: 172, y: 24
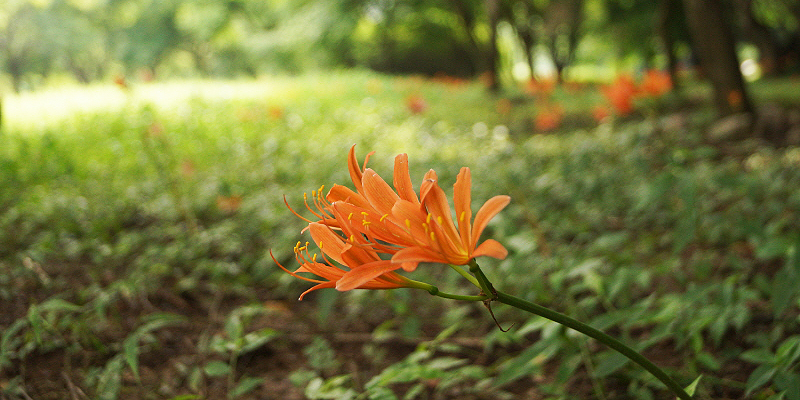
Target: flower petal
x: 343, y: 193
x: 486, y: 213
x: 363, y: 274
x: 324, y: 285
x: 417, y: 255
x: 402, y: 179
x: 329, y: 242
x: 379, y: 194
x: 462, y: 200
x: 355, y: 170
x: 491, y: 248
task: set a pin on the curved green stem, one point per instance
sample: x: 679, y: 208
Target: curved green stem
x: 465, y: 274
x: 435, y: 291
x: 587, y: 330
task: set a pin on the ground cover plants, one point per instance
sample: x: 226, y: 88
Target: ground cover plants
x: 134, y: 249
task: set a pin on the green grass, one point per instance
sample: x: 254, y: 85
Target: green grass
x: 124, y: 275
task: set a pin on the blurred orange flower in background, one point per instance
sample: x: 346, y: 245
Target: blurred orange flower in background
x: 620, y: 94
x: 549, y: 118
x: 354, y: 227
x: 416, y: 104
x: 655, y: 83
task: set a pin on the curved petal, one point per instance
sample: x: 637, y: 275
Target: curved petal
x: 322, y: 270
x: 412, y: 221
x: 379, y: 194
x: 491, y: 248
x: 417, y: 255
x: 355, y: 170
x: 462, y: 200
x: 329, y: 242
x: 402, y: 179
x: 486, y: 213
x: 362, y: 275
x: 344, y: 193
x: 324, y: 285
x: 438, y: 207
x: 428, y: 182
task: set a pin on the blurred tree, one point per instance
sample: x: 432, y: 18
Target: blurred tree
x: 562, y: 21
x: 25, y: 41
x: 714, y: 44
x: 774, y: 28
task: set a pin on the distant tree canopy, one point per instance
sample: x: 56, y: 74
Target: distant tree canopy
x: 98, y: 39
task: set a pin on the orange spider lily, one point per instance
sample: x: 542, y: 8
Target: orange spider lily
x: 437, y: 239
x: 365, y: 268
x: 355, y: 227
x: 655, y: 83
x: 410, y: 228
x: 620, y: 94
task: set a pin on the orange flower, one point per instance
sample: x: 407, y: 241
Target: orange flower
x: 549, y: 118
x: 600, y: 113
x: 655, y: 83
x: 355, y: 227
x: 620, y: 94
x: 436, y: 237
x: 416, y: 104
x: 365, y: 268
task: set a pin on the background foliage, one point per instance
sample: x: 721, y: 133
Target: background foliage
x: 135, y: 246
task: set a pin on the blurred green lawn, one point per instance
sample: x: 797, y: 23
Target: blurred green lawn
x: 137, y: 224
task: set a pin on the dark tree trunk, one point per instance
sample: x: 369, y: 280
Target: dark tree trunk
x: 493, y: 11
x: 667, y: 10
x: 714, y: 45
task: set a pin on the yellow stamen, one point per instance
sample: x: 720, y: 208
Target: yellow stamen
x: 384, y: 217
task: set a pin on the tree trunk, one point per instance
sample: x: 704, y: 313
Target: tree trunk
x: 493, y: 11
x: 666, y: 11
x: 714, y: 45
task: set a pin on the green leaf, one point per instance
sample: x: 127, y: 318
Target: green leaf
x: 130, y: 348
x: 610, y: 364
x: 757, y: 356
x: 759, y: 377
x: 789, y: 383
x: 693, y: 386
x: 528, y: 362
x: 217, y: 368
x: 246, y: 385
x: 784, y: 289
x: 109, y: 382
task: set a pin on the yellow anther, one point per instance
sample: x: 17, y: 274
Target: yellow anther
x: 440, y: 220
x: 433, y: 237
x: 365, y: 222
x: 352, y: 238
x: 428, y: 218
x: 350, y: 216
x: 305, y: 196
x: 462, y: 216
x: 383, y: 217
x: 408, y: 224
x: 314, y: 258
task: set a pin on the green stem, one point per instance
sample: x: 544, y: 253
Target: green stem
x: 595, y: 334
x: 435, y: 291
x: 465, y: 274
